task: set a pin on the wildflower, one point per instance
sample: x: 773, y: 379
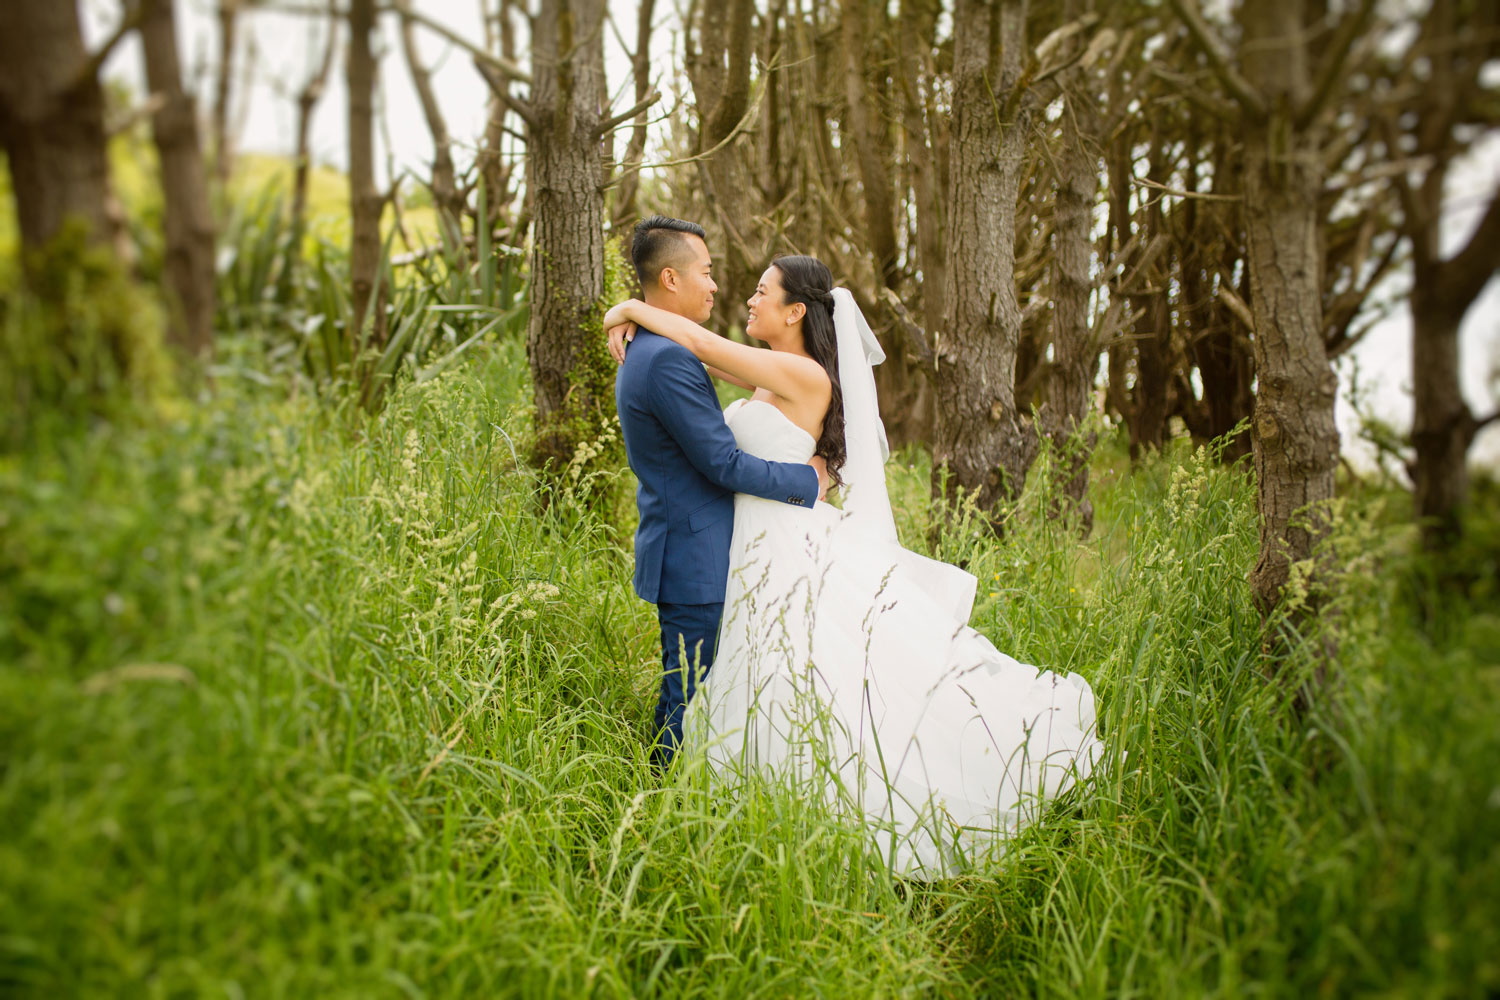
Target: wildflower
x: 411, y: 449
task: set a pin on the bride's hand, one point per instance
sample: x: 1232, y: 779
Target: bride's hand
x: 618, y: 314
x: 820, y: 466
x: 619, y: 336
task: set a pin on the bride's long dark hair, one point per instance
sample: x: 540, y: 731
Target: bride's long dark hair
x: 807, y: 280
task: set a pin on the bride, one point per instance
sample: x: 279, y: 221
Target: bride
x: 845, y: 662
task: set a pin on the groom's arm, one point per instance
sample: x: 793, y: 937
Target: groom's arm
x: 695, y: 422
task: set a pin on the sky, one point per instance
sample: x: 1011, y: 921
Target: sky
x: 288, y: 44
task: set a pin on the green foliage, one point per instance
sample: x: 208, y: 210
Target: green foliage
x: 291, y: 706
x: 78, y: 339
x: 297, y: 300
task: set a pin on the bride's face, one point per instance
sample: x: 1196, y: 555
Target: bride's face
x: 770, y: 316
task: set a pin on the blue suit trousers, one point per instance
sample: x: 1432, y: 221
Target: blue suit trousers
x: 689, y: 637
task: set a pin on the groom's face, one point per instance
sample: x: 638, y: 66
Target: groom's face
x: 695, y: 288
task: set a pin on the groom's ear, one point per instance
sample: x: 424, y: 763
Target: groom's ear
x: 667, y: 279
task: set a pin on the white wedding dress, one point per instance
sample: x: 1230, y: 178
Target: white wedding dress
x: 845, y: 664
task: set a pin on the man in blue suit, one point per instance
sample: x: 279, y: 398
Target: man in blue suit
x: 689, y: 469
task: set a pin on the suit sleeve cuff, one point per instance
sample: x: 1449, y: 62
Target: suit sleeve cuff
x: 809, y: 496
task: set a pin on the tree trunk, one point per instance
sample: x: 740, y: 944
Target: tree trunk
x: 1222, y: 353
x: 1074, y: 354
x: 918, y: 27
x: 1443, y: 427
x: 1296, y: 442
x: 982, y: 445
x: 365, y: 203
x: 1218, y: 342
x: 187, y: 220
x: 869, y: 133
x: 1151, y: 396
x: 905, y: 393
x: 495, y: 170
x: 446, y: 197
x: 307, y: 102
x: 52, y: 123
x: 719, y: 71
x: 625, y: 212
x: 570, y: 370
x: 223, y: 86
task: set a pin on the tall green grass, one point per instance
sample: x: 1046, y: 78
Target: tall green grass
x: 294, y: 707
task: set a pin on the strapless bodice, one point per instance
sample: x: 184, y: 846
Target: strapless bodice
x: 762, y: 430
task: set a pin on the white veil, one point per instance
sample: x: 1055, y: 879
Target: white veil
x: 866, y: 500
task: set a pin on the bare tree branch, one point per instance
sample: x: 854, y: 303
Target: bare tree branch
x: 610, y: 124
x: 128, y: 23
x: 1210, y: 103
x: 1239, y: 88
x: 496, y: 80
x: 916, y: 337
x: 1132, y: 281
x: 1331, y: 71
x: 1464, y: 275
x: 1227, y: 295
x: 130, y: 118
x: 1178, y: 193
x: 499, y: 64
x: 734, y: 133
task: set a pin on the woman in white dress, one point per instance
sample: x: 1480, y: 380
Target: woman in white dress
x: 845, y: 662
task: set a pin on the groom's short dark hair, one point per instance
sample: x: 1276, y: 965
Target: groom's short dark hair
x: 659, y: 243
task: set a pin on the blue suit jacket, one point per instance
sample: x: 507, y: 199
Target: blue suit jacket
x: 689, y: 469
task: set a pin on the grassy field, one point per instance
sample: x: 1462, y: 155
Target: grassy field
x: 290, y: 708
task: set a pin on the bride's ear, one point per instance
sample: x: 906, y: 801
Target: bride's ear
x: 796, y: 312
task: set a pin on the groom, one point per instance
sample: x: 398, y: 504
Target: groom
x: 689, y: 469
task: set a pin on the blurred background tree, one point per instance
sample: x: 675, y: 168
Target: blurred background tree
x: 1061, y: 215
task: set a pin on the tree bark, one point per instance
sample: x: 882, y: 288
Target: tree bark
x: 982, y: 445
x: 1296, y: 442
x: 188, y: 222
x: 564, y: 345
x: 52, y: 123
x: 365, y: 203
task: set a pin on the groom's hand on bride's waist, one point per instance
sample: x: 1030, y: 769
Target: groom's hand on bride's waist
x: 821, y: 468
x: 619, y: 336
